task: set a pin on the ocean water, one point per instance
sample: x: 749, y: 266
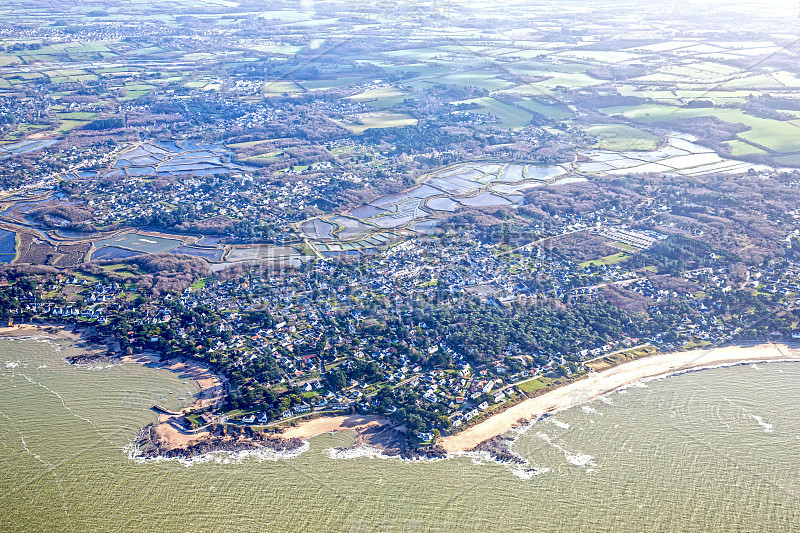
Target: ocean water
x: 715, y: 450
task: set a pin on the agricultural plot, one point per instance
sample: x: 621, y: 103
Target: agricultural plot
x: 321, y: 85
x: 619, y: 137
x: 380, y: 97
x: 510, y: 116
x: 480, y: 79
x: 556, y: 111
x: 773, y: 135
x: 280, y: 88
x: 361, y: 122
x: 606, y: 261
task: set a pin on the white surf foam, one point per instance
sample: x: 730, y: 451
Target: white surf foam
x: 356, y: 452
x: 559, y: 423
x: 766, y: 425
x: 578, y: 459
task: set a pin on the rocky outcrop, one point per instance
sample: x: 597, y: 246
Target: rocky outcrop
x: 499, y: 449
x: 92, y: 359
x: 148, y: 444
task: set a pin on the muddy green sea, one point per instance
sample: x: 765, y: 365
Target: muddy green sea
x: 716, y: 450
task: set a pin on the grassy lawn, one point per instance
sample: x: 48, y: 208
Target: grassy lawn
x: 126, y: 271
x: 534, y: 384
x: 607, y: 260
x: 604, y: 363
x: 200, y: 284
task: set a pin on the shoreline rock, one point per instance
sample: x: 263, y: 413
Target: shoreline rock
x: 499, y: 449
x: 148, y: 444
x: 93, y: 359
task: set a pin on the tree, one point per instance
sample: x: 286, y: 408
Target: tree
x: 336, y: 379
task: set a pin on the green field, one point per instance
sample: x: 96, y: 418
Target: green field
x: 555, y: 111
x: 775, y: 135
x: 510, y: 116
x: 607, y: 260
x: 367, y: 121
x: 623, y: 138
x: 380, y: 97
x: 739, y: 148
x: 77, y: 115
x: 281, y: 87
x: 69, y: 125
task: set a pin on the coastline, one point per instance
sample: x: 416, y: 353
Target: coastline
x: 601, y: 383
x: 488, y: 436
x: 168, y: 438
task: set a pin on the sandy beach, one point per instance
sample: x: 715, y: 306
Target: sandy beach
x: 40, y: 330
x: 211, y: 387
x: 594, y: 385
x: 327, y: 424
x: 597, y: 384
x: 169, y: 429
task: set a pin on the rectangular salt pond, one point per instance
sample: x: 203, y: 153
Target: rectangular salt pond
x: 454, y: 185
x: 114, y: 252
x: 689, y: 161
x: 263, y: 251
x: 318, y: 229
x: 442, y: 204
x: 25, y: 147
x: 7, y: 242
x: 140, y: 243
x: 485, y: 199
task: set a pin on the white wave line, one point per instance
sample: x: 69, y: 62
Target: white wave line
x: 577, y: 459
x: 73, y: 413
x: 49, y: 466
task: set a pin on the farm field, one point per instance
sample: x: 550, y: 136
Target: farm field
x: 275, y: 115
x: 774, y: 135
x: 509, y: 115
x: 365, y: 121
x: 380, y: 97
x: 621, y: 138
